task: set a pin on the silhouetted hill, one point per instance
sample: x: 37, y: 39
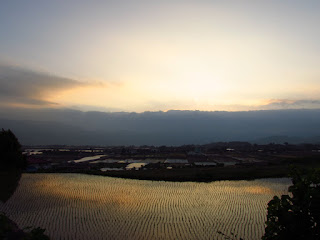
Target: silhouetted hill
x: 52, y: 126
x: 283, y: 139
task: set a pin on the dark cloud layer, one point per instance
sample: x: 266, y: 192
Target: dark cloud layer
x: 22, y: 86
x: 66, y: 126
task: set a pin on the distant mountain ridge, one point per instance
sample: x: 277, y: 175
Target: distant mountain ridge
x: 65, y: 126
x: 287, y: 139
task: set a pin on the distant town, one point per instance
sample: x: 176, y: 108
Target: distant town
x: 216, y: 161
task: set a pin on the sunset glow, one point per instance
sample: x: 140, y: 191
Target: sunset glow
x: 147, y: 56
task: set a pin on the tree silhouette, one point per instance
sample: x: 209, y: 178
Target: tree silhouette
x: 10, y: 151
x: 12, y: 162
x: 296, y: 216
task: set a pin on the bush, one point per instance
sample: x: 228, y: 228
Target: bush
x: 296, y: 216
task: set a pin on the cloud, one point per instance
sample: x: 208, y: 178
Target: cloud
x: 89, y: 108
x: 291, y: 104
x: 20, y: 86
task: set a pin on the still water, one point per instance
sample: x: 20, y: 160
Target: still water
x: 85, y: 159
x: 76, y: 206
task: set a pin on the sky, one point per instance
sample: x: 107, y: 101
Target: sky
x: 160, y: 55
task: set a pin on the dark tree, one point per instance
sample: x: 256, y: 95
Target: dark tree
x: 297, y: 215
x: 10, y: 152
x: 12, y: 162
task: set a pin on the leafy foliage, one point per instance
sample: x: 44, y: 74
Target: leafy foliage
x: 296, y: 216
x: 36, y: 234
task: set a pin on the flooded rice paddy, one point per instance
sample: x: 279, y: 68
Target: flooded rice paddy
x: 77, y: 206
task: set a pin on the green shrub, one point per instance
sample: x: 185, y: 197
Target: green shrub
x: 296, y: 216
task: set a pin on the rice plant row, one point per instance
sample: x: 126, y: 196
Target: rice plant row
x: 76, y: 206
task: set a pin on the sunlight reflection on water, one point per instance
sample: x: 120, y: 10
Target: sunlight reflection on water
x: 76, y: 206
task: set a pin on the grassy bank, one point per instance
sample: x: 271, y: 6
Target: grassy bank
x: 201, y: 174
x: 277, y: 168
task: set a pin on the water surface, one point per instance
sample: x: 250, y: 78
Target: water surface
x: 77, y: 206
